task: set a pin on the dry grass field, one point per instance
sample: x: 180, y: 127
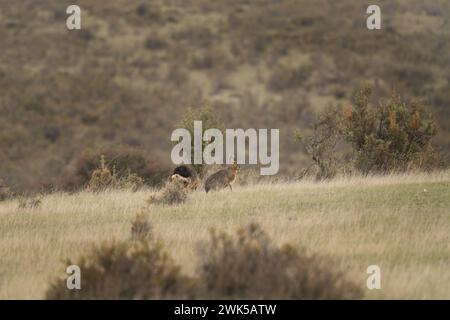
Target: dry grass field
x: 399, y: 222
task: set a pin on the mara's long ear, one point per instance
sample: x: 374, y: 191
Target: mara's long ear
x: 230, y: 159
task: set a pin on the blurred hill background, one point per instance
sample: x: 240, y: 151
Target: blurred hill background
x: 129, y: 76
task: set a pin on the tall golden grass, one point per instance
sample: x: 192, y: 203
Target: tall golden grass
x: 399, y: 222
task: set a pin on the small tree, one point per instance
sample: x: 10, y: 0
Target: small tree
x: 209, y: 121
x: 320, y: 146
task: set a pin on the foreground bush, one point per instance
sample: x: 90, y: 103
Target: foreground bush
x: 138, y: 269
x: 247, y: 266
x: 250, y: 266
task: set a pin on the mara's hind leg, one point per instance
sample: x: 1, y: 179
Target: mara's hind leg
x: 230, y: 187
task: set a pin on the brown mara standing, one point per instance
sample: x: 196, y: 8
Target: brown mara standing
x: 222, y: 178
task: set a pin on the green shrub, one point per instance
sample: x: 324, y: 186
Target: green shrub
x: 394, y: 136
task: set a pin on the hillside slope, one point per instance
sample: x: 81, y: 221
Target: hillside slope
x: 135, y: 67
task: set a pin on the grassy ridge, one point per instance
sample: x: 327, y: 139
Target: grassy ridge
x: 400, y: 223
